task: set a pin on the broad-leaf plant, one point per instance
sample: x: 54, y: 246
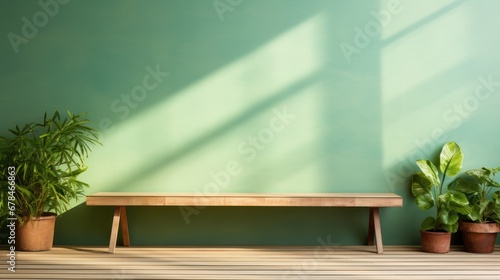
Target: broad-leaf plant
x: 430, y: 190
x: 478, y: 185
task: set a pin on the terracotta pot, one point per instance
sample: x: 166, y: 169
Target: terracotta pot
x: 435, y: 241
x: 36, y: 234
x: 479, y: 238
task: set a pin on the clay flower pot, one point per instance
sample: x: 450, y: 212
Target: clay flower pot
x: 435, y: 241
x: 36, y: 234
x: 479, y: 238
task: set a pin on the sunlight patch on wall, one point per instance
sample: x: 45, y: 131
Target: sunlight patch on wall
x: 419, y: 128
x: 412, y: 13
x: 413, y: 76
x: 212, y: 116
x: 405, y: 64
x: 293, y: 160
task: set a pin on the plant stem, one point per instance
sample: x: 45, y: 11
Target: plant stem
x: 438, y: 203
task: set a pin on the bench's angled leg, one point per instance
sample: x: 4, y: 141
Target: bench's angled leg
x: 114, y: 229
x: 374, y: 229
x: 124, y: 227
x: 371, y: 229
x: 120, y: 214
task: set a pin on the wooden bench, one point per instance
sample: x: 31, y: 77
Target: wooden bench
x: 121, y: 200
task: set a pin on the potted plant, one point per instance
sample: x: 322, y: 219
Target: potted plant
x: 39, y: 166
x: 480, y: 227
x: 429, y: 189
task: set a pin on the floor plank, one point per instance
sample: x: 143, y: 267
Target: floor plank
x: 345, y: 262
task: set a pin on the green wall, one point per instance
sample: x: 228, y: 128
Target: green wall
x: 261, y: 96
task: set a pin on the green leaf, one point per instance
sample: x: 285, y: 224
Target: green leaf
x: 428, y: 224
x: 425, y: 201
x: 465, y: 184
x: 420, y: 184
x: 450, y: 159
x: 496, y: 197
x: 481, y: 175
x: 430, y: 171
x: 446, y: 217
x: 457, y: 198
x: 458, y: 202
x: 450, y: 228
x: 486, y: 208
x: 490, y: 182
x: 475, y: 215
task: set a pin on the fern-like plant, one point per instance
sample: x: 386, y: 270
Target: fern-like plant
x: 47, y: 157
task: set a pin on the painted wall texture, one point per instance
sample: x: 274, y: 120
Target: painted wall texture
x: 267, y: 96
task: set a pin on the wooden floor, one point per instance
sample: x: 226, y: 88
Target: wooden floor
x: 344, y: 262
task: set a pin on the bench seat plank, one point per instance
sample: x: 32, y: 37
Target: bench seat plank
x: 122, y: 199
x: 306, y: 200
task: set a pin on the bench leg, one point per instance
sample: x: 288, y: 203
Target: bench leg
x: 374, y: 230
x: 124, y: 227
x: 120, y: 213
